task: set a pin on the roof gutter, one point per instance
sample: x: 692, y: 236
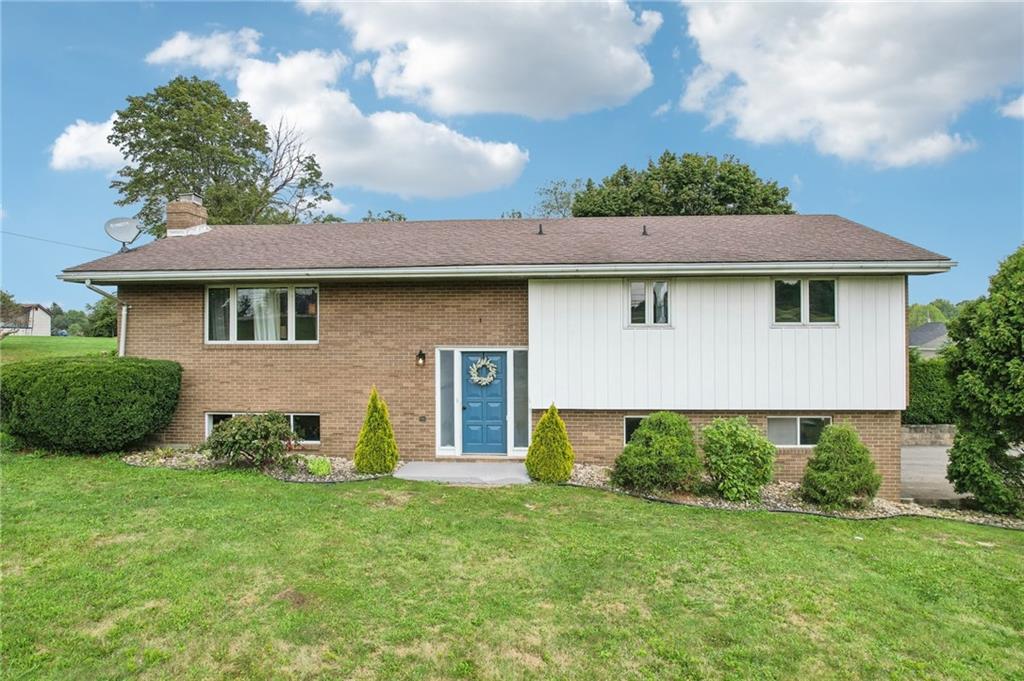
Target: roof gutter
x: 519, y: 271
x: 122, y: 337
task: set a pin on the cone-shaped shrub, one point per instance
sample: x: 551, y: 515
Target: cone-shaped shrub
x: 550, y: 456
x: 376, y: 450
x: 841, y: 473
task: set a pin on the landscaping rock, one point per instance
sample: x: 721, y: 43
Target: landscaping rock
x: 342, y: 470
x: 785, y: 497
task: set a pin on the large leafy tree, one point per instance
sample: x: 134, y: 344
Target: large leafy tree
x: 190, y: 136
x: 685, y: 184
x: 102, y: 318
x: 986, y: 365
x: 555, y: 199
x: 384, y: 216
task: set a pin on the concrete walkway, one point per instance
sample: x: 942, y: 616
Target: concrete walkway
x: 465, y: 472
x: 924, y: 474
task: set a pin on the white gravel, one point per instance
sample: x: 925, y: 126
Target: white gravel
x: 784, y: 496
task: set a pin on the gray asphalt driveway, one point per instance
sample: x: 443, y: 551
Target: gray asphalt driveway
x: 923, y: 471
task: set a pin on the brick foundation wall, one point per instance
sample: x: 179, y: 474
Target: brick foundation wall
x: 369, y: 334
x: 596, y: 437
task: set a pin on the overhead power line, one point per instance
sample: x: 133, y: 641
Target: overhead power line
x: 52, y: 241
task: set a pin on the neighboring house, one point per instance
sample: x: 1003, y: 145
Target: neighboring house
x: 928, y: 339
x: 471, y: 328
x: 33, y: 321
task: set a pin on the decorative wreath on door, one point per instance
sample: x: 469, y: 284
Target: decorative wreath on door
x: 483, y: 379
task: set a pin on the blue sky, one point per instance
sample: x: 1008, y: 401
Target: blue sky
x: 904, y: 126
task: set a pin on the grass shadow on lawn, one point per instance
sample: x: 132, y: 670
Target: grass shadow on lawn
x: 116, y: 571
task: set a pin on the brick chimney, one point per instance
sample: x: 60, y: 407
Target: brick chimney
x: 184, y: 213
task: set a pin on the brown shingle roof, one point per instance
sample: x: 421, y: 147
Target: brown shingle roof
x: 570, y: 241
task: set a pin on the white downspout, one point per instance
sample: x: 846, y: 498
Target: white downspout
x: 123, y: 335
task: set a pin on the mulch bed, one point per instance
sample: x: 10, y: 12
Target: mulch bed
x: 784, y: 497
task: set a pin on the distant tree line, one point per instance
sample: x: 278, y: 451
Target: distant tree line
x: 674, y: 184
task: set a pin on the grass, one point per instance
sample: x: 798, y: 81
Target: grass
x: 16, y: 348
x: 116, y: 572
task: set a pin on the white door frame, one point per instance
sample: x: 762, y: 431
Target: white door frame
x: 511, y: 451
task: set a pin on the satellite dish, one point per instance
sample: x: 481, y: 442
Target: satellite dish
x: 125, y: 230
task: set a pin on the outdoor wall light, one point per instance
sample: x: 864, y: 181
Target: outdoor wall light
x: 421, y: 358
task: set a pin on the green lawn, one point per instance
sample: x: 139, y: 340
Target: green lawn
x: 113, y: 572
x: 16, y: 348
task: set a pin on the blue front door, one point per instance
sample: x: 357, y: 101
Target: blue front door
x: 483, y: 403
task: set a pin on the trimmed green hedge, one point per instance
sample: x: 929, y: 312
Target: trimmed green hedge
x: 661, y: 455
x: 841, y: 474
x: 87, y: 404
x: 931, y: 392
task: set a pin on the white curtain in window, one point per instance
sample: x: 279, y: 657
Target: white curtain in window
x: 266, y: 313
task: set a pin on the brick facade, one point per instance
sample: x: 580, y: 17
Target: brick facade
x: 596, y: 437
x: 369, y: 335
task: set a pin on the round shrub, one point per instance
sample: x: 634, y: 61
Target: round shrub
x: 739, y: 458
x: 88, y: 404
x: 550, y: 456
x: 253, y: 440
x: 376, y: 450
x: 841, y: 472
x: 318, y: 466
x: 661, y: 455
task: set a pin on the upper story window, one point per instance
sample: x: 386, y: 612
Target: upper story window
x: 805, y: 301
x: 262, y: 314
x: 648, y: 303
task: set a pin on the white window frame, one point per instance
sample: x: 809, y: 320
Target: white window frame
x: 797, y: 419
x: 233, y: 314
x: 630, y: 416
x: 511, y: 451
x: 208, y: 419
x: 648, y: 303
x: 805, y: 302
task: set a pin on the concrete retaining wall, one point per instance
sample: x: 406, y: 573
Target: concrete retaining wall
x: 938, y: 435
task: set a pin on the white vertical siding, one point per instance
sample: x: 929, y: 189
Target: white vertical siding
x: 721, y: 352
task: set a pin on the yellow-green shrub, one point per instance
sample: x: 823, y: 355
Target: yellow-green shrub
x: 550, y: 456
x: 376, y: 450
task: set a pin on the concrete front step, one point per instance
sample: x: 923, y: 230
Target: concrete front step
x: 465, y: 472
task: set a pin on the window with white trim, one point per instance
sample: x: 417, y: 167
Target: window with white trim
x: 648, y: 303
x: 629, y: 426
x: 306, y: 426
x: 796, y: 431
x: 262, y: 314
x: 805, y: 301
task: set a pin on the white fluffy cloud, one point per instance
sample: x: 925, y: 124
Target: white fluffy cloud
x: 84, y: 145
x: 543, y: 60
x: 219, y: 52
x: 874, y: 82
x: 1014, y: 109
x: 387, y: 151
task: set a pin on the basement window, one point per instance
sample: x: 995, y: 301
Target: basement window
x: 796, y: 431
x: 262, y: 314
x: 306, y: 426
